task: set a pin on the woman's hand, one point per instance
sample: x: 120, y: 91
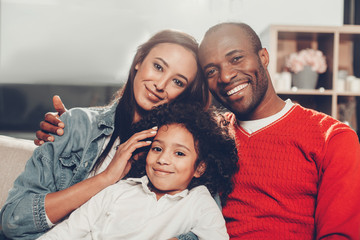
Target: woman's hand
x: 73, y: 197
x: 122, y: 160
x: 51, y: 123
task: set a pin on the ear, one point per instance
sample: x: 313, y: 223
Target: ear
x: 200, y: 170
x: 264, y: 57
x: 137, y: 66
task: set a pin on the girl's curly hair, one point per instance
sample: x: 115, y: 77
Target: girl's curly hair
x: 214, y: 145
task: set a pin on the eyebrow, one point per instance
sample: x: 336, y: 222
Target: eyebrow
x: 177, y: 144
x: 226, y: 55
x: 209, y: 66
x: 233, y: 52
x: 163, y: 61
x: 167, y: 65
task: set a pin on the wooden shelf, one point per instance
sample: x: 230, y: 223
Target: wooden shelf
x: 336, y: 42
x: 306, y: 92
x: 348, y: 94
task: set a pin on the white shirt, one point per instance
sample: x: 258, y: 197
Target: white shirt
x: 255, y: 125
x: 129, y: 210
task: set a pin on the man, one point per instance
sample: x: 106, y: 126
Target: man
x: 299, y: 174
x: 299, y: 169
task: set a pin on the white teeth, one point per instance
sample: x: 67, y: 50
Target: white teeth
x: 236, y: 89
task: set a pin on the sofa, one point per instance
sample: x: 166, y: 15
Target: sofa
x: 14, y: 153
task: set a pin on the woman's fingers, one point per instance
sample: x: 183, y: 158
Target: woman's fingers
x: 120, y: 164
x: 132, y: 148
x: 141, y: 136
x: 138, y: 140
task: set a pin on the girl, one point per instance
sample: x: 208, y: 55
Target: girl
x: 63, y: 175
x: 188, y: 153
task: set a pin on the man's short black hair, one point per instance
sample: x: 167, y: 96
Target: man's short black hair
x: 250, y: 33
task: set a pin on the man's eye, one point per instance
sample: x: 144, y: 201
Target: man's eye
x: 236, y: 59
x: 178, y: 82
x: 158, y: 66
x: 210, y: 73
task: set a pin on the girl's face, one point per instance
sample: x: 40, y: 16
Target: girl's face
x: 163, y: 75
x: 170, y: 163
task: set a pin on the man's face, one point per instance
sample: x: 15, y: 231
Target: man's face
x: 236, y: 73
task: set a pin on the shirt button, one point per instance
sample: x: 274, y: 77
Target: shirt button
x: 86, y: 164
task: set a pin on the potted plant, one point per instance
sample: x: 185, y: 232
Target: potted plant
x: 305, y: 66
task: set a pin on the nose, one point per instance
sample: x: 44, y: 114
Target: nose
x: 227, y: 74
x: 160, y: 85
x: 163, y: 160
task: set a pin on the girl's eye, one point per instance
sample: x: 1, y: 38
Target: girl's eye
x: 156, y: 149
x: 180, y: 154
x: 178, y: 82
x: 158, y: 67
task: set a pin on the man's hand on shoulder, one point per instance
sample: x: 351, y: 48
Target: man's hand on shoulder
x: 51, y: 124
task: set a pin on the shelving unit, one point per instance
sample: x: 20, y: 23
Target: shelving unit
x: 337, y: 45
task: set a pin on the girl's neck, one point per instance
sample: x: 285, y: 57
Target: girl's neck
x: 158, y: 193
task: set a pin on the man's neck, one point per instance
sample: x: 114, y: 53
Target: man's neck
x: 267, y: 108
x: 252, y: 126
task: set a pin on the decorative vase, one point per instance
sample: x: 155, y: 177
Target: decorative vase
x: 306, y: 78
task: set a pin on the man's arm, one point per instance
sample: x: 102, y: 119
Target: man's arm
x: 337, y: 212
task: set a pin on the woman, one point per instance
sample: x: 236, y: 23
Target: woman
x: 63, y: 175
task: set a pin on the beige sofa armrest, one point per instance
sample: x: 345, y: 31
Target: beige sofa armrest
x: 14, y: 153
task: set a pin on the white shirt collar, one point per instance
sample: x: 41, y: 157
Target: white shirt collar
x: 255, y: 125
x: 144, y: 181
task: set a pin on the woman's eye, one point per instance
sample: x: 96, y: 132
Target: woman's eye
x: 178, y: 82
x: 158, y: 66
x: 156, y: 149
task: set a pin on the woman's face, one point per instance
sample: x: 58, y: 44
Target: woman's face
x: 163, y: 75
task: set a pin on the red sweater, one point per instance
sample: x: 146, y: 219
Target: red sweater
x: 299, y: 178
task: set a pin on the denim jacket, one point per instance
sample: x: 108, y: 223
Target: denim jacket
x: 55, y: 166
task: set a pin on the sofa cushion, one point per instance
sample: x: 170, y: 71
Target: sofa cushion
x: 14, y: 153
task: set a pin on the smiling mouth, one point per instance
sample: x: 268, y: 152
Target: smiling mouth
x: 237, y: 89
x: 153, y: 97
x: 162, y: 172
